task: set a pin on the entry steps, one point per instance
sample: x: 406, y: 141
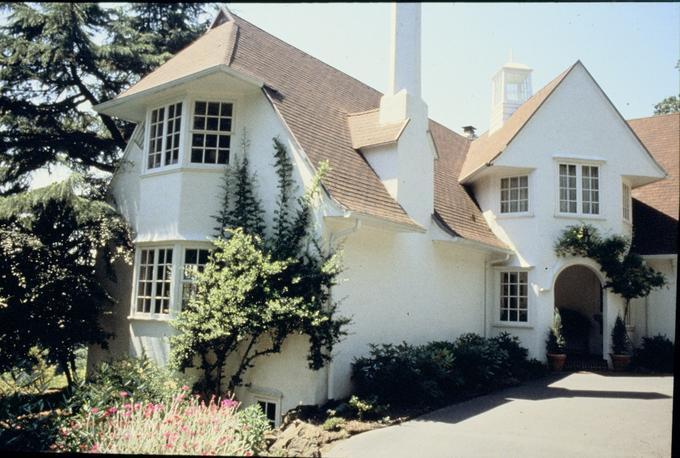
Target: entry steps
x: 577, y: 363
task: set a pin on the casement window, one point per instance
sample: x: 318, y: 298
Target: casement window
x: 515, y: 194
x: 165, y: 125
x: 270, y: 409
x: 211, y: 132
x: 195, y: 260
x: 579, y: 189
x: 626, y: 202
x: 154, y: 281
x: 514, y: 298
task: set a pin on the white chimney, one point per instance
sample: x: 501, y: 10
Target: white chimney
x: 406, y: 167
x: 510, y: 88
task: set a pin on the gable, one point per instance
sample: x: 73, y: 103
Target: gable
x: 571, y: 114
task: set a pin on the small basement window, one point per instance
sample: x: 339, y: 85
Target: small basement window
x: 271, y: 410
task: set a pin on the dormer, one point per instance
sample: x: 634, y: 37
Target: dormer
x: 510, y: 88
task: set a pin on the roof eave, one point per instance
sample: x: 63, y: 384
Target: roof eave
x: 452, y: 237
x: 111, y: 107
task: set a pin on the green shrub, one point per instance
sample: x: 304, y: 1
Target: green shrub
x: 620, y: 340
x: 555, y: 342
x: 26, y: 423
x: 655, y: 354
x: 333, y: 424
x: 33, y: 375
x: 440, y: 371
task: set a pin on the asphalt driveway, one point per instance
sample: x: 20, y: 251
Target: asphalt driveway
x: 581, y: 414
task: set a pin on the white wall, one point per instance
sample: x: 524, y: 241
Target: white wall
x: 655, y: 314
x: 403, y: 286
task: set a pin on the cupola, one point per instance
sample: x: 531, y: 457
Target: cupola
x: 510, y: 88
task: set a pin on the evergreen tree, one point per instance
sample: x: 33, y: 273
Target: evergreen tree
x: 58, y: 59
x: 52, y: 241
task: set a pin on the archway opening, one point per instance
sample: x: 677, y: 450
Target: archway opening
x: 578, y: 296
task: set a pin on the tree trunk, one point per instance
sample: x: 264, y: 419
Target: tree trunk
x: 67, y: 372
x: 74, y: 371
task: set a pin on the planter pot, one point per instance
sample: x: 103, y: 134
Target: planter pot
x: 620, y: 362
x: 556, y: 361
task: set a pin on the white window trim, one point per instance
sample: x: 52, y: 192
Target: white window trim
x: 147, y: 132
x: 277, y: 405
x: 529, y: 324
x: 134, y: 314
x: 180, y: 277
x: 235, y: 126
x: 529, y: 212
x: 628, y: 220
x: 178, y: 253
x: 579, y: 163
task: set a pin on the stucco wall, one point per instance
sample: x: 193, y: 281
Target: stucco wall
x: 655, y: 314
x: 401, y: 286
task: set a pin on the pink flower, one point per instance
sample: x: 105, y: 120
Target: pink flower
x: 95, y: 410
x: 94, y: 449
x: 112, y: 410
x: 185, y: 388
x: 228, y: 403
x: 123, y: 394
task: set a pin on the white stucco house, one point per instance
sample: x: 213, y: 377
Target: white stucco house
x: 441, y: 233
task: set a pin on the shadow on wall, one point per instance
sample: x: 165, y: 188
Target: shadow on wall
x: 538, y: 390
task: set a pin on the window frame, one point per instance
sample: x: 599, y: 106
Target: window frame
x: 152, y: 315
x: 147, y: 136
x: 496, y: 309
x: 499, y: 184
x: 181, y: 280
x: 277, y: 407
x: 626, y: 204
x: 205, y: 97
x: 579, y: 164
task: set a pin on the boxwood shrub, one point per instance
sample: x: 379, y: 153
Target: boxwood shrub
x: 441, y: 371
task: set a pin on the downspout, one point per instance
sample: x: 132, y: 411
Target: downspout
x: 337, y: 236
x: 487, y: 264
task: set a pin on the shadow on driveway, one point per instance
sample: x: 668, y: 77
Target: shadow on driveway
x: 537, y: 390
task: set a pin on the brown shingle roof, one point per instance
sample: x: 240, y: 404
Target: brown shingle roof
x: 452, y: 201
x: 655, y: 206
x: 488, y: 147
x: 315, y: 100
x: 365, y: 129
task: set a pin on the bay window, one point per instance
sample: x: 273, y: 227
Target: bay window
x: 195, y: 260
x: 165, y: 125
x: 154, y: 281
x: 211, y: 132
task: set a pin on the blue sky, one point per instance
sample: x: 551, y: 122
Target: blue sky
x: 630, y: 49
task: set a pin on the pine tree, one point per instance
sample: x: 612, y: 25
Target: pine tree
x: 58, y: 59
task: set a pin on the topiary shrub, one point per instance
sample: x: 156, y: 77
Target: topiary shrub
x: 620, y: 341
x: 555, y: 343
x: 655, y: 355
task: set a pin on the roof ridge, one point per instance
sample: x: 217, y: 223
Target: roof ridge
x: 677, y: 113
x: 239, y: 18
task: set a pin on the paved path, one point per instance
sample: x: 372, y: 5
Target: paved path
x: 578, y: 415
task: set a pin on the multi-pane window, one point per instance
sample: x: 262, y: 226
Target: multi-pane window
x: 164, y: 135
x: 269, y: 409
x: 154, y: 281
x: 568, y: 192
x: 590, y: 190
x: 579, y: 189
x: 625, y: 192
x: 211, y: 132
x: 515, y: 194
x: 194, y: 261
x: 514, y: 297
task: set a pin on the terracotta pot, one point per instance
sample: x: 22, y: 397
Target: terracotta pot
x: 556, y: 361
x: 620, y: 362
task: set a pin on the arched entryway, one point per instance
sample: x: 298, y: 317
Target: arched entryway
x: 578, y: 296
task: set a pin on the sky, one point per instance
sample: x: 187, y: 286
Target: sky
x: 631, y: 49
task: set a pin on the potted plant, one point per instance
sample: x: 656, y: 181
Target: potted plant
x: 555, y: 344
x: 620, y: 346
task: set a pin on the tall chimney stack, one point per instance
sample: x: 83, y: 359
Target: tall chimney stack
x: 405, y: 49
